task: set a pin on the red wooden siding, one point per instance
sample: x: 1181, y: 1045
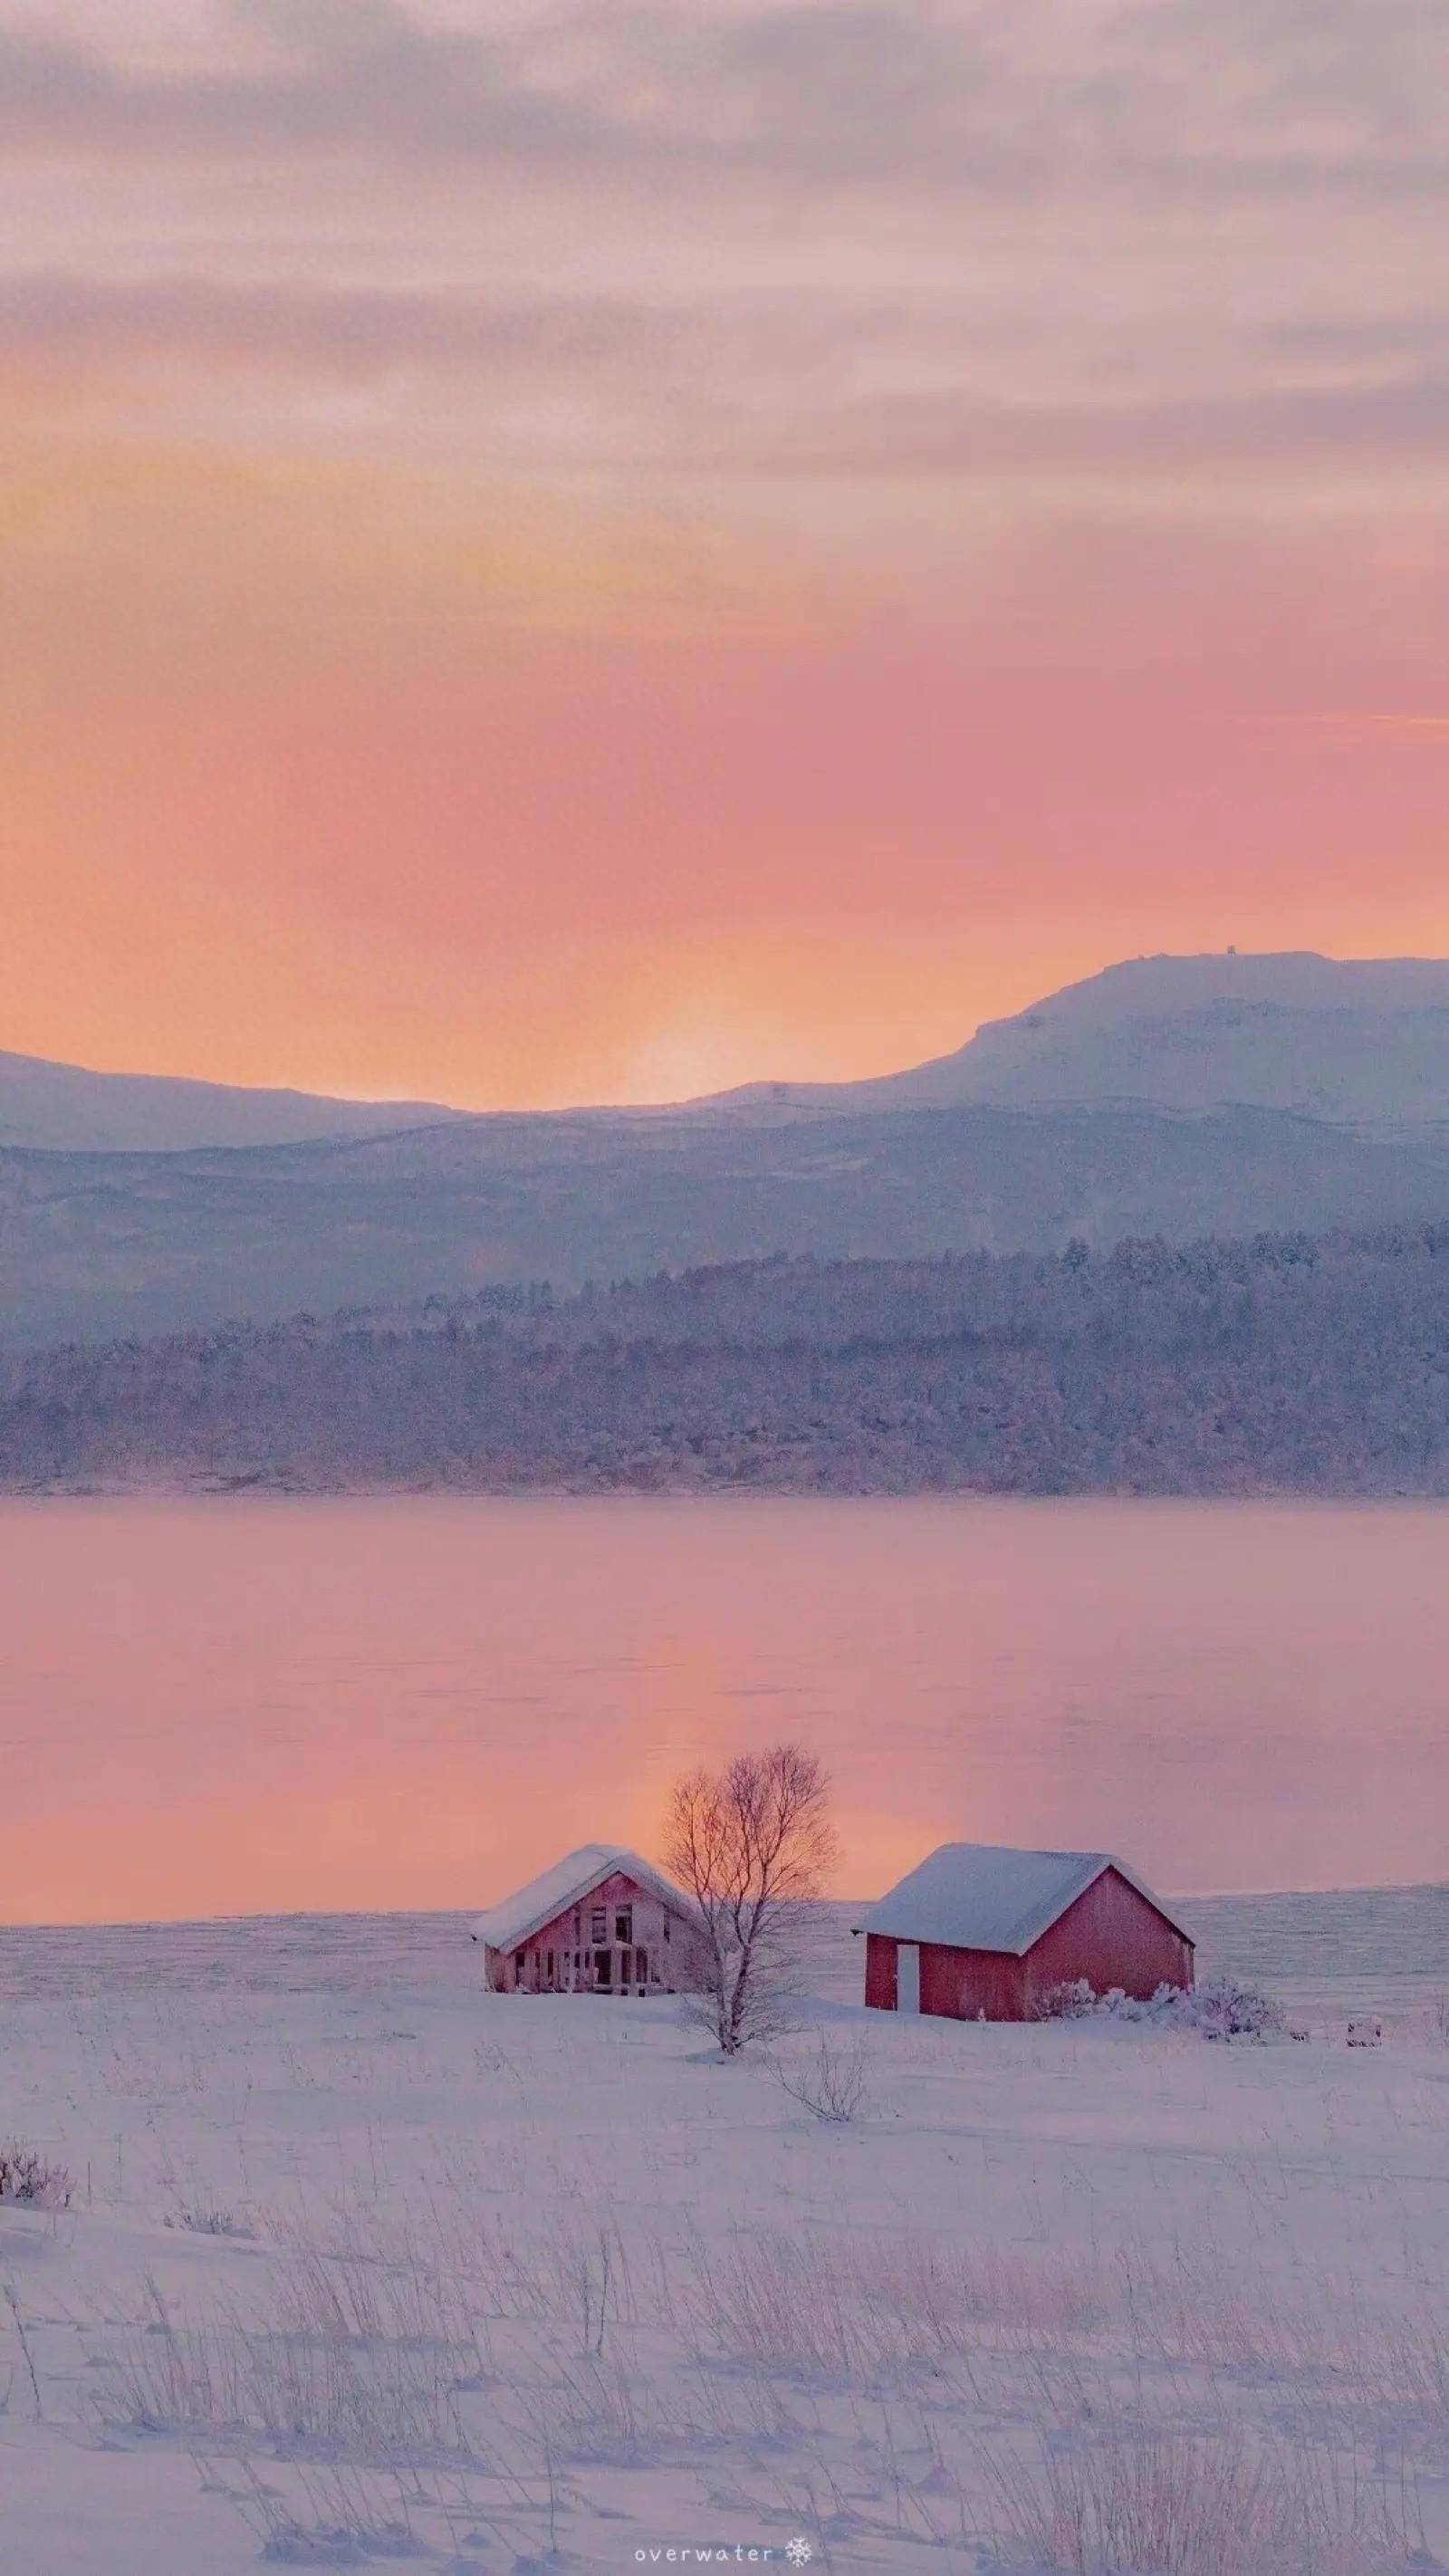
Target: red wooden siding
x: 880, y: 1972
x: 1111, y: 1936
x: 972, y: 1985
x: 959, y: 1985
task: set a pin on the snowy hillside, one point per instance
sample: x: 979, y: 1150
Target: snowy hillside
x: 1184, y: 1096
x: 67, y: 1109
x: 1285, y: 1364
x: 102, y: 1244
x: 1363, y: 1041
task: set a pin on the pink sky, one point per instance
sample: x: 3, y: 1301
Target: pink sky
x: 557, y: 552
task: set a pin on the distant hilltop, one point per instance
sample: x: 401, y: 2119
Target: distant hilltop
x: 66, y: 1108
x: 1171, y: 1096
x: 1360, y: 1041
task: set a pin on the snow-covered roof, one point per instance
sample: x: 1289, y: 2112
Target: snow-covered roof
x: 986, y: 1896
x: 568, y: 1882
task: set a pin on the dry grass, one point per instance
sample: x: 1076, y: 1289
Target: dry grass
x: 1147, y: 2501
x: 459, y: 2369
x: 854, y: 2308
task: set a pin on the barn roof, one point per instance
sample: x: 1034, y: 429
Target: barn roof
x: 568, y: 1882
x: 986, y: 1896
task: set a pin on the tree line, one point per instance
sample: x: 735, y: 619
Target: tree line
x: 1281, y: 1363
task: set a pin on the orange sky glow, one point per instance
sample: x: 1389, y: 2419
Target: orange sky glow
x: 573, y: 554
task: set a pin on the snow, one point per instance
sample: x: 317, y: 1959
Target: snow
x: 987, y: 1896
x: 366, y: 2267
x: 567, y: 1883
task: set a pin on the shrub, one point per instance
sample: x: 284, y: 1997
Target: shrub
x: 1073, y: 2000
x: 26, y: 2175
x: 833, y: 2083
x: 1226, y: 2008
x: 1223, y: 2008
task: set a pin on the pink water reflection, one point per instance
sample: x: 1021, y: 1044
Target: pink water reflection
x: 258, y: 1705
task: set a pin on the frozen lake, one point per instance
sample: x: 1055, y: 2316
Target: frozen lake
x: 266, y: 1705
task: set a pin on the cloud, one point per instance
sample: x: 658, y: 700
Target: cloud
x: 315, y: 330
x: 733, y: 389
x: 775, y: 253
x: 1429, y: 733
x: 1258, y: 98
x: 747, y: 238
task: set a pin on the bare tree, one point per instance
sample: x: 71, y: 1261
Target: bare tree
x: 752, y: 1844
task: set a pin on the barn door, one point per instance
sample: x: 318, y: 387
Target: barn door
x: 908, y: 1977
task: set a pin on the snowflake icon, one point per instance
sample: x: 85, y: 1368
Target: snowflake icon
x: 799, y: 2553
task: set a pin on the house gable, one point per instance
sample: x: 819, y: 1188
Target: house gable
x: 570, y: 1882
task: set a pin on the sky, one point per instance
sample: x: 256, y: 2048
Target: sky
x: 557, y: 553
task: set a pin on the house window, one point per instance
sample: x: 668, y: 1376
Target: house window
x: 599, y: 1924
x: 550, y: 1967
x: 641, y: 1966
x: 626, y: 1974
x: 666, y: 1927
x: 624, y: 1923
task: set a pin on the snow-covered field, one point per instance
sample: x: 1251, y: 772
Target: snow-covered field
x: 363, y: 2266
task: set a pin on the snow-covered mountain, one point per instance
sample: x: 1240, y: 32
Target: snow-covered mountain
x: 1358, y: 1042
x: 65, y: 1108
x: 1362, y: 1042
x: 1179, y: 1096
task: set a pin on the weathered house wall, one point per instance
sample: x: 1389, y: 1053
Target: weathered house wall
x: 620, y: 1939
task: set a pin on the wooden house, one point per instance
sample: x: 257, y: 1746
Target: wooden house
x: 601, y: 1921
x: 981, y: 1932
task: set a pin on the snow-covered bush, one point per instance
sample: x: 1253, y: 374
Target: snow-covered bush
x: 1223, y: 2008
x: 1227, y: 2008
x: 1073, y: 2000
x: 26, y: 2175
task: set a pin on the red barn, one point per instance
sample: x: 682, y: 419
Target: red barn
x: 981, y: 1933
x: 601, y: 1922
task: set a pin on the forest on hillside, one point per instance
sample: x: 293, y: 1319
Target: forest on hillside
x: 1284, y: 1363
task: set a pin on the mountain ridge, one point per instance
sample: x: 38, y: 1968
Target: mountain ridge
x: 1361, y: 1040
x: 52, y: 1107
x: 1350, y: 1128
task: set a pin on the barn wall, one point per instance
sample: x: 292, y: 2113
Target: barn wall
x: 971, y: 1985
x: 880, y: 1972
x: 960, y: 1985
x: 1112, y: 1937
